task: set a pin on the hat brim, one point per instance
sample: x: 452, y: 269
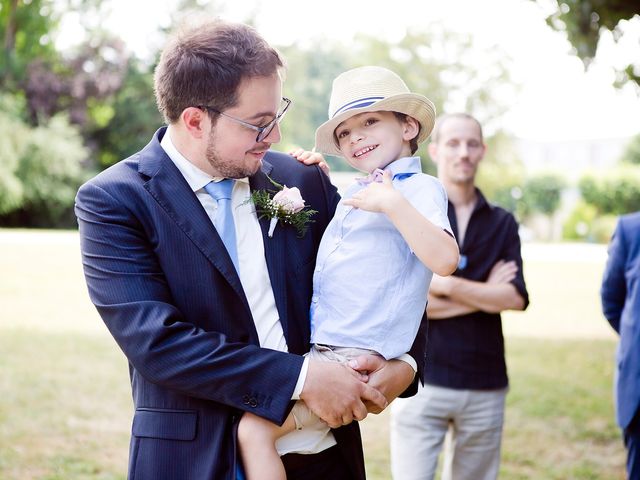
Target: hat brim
x: 412, y: 104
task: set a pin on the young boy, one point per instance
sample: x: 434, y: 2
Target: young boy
x: 376, y: 257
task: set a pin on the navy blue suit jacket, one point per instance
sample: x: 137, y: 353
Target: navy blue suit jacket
x: 621, y: 306
x: 166, y: 289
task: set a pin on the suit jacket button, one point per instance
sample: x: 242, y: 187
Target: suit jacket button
x: 246, y: 399
x: 253, y: 403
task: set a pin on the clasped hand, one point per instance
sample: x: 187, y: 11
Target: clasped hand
x: 340, y: 393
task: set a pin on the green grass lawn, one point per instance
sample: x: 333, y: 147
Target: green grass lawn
x: 65, y: 404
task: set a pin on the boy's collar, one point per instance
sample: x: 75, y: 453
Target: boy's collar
x: 400, y: 169
x: 405, y: 165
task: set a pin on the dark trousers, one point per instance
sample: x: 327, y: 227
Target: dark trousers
x: 632, y: 442
x: 326, y: 465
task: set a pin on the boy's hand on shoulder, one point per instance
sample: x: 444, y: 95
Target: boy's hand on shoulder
x: 311, y: 158
x: 377, y: 197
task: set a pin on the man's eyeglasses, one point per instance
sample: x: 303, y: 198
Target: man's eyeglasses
x: 263, y: 131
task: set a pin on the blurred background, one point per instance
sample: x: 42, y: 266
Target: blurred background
x: 556, y: 85
x: 564, y: 151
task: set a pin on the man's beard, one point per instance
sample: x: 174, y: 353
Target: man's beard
x: 226, y: 168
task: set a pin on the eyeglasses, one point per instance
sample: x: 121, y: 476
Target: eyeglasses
x: 263, y: 131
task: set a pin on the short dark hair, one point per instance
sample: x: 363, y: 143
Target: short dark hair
x: 443, y: 118
x: 205, y: 64
x: 413, y: 143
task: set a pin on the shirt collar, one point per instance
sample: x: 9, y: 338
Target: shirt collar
x: 195, y: 177
x: 481, y: 201
x: 405, y: 165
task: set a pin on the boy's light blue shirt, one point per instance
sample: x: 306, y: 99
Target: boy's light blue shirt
x: 369, y: 289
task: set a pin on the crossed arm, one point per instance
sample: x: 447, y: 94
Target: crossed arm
x: 454, y: 296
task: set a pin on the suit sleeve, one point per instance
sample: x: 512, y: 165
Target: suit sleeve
x: 614, y: 290
x: 127, y: 284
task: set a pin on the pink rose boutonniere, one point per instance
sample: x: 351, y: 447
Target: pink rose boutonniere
x: 287, y: 206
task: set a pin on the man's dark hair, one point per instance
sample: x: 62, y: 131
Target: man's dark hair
x: 205, y: 64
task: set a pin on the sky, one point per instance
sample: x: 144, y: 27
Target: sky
x: 557, y: 99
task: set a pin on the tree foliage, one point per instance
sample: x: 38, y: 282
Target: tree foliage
x: 53, y: 81
x: 90, y: 75
x: 584, y: 223
x: 41, y: 169
x: 585, y: 20
x: 542, y: 193
x: 631, y: 154
x: 25, y: 28
x: 501, y: 174
x: 11, y: 148
x: 308, y: 83
x: 51, y: 171
x: 617, y: 192
x: 129, y: 119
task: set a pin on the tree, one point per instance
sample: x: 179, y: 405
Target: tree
x: 501, y: 175
x: 631, y: 154
x: 40, y: 172
x: 89, y: 75
x: 25, y: 28
x: 308, y: 83
x: 130, y: 119
x: 616, y: 192
x: 41, y: 161
x: 51, y: 171
x: 11, y: 148
x: 585, y: 20
x: 542, y: 193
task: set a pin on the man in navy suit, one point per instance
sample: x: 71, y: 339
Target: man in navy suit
x: 210, y: 331
x: 620, y: 294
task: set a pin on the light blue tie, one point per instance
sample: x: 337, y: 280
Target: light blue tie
x: 221, y: 192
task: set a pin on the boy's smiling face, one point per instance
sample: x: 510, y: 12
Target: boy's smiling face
x: 373, y: 140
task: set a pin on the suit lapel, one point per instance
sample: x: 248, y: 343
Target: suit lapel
x: 172, y: 192
x: 274, y: 247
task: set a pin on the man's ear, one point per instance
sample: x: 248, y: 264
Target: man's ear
x: 194, y: 121
x: 432, y: 149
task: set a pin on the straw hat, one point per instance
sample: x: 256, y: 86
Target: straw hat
x: 371, y: 89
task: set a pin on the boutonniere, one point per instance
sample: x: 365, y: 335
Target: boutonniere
x: 287, y: 205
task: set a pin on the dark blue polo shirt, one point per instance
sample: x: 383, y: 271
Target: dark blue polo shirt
x: 467, y: 352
